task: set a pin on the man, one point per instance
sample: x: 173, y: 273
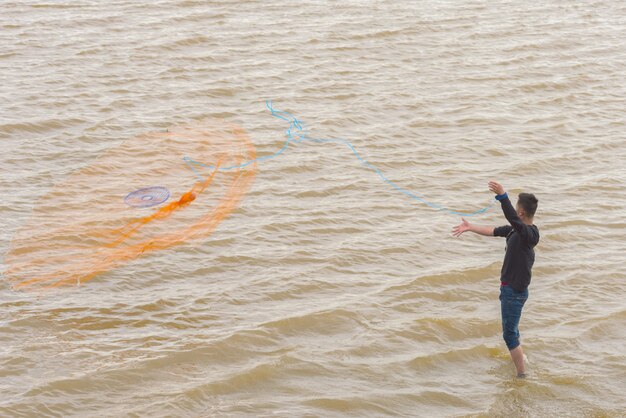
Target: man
x: 521, y: 238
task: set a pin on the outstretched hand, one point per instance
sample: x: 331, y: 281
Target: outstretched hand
x: 496, y: 187
x: 460, y: 228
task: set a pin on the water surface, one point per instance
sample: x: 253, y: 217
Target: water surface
x: 327, y: 293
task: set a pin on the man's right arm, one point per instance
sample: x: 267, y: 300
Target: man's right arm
x: 482, y: 230
x: 478, y: 229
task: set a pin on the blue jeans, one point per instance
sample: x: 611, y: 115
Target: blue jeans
x: 511, y: 304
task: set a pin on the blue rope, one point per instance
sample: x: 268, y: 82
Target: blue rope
x: 296, y: 134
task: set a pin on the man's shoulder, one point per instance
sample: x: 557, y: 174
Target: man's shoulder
x: 502, y: 231
x: 534, y: 233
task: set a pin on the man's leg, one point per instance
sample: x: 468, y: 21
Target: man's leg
x: 511, y: 308
x: 517, y: 354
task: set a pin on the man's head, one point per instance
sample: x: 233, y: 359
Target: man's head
x: 526, y: 205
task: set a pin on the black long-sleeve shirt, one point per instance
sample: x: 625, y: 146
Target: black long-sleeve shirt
x: 520, y: 242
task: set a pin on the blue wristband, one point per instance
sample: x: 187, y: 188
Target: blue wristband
x: 501, y: 196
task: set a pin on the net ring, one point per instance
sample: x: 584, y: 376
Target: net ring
x: 147, y: 197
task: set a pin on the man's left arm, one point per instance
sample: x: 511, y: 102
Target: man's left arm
x: 507, y: 208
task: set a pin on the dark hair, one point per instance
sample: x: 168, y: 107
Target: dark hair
x: 528, y: 202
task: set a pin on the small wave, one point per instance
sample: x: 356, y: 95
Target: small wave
x: 40, y: 126
x: 326, y: 322
x: 456, y: 278
x: 441, y: 359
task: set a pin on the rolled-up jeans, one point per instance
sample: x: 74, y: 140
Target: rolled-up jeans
x: 511, y: 304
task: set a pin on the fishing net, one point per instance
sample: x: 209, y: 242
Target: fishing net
x: 139, y: 197
x: 143, y: 196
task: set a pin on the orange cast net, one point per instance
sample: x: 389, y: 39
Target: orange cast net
x: 138, y: 197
